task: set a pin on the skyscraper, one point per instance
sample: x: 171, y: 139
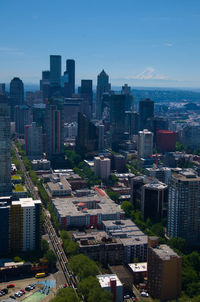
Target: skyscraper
x: 16, y: 94
x: 33, y: 141
x: 45, y: 84
x: 88, y: 136
x: 117, y: 119
x: 184, y: 207
x: 103, y: 85
x: 145, y: 143
x: 146, y: 113
x: 55, y: 75
x: 70, y: 67
x: 5, y: 156
x: 54, y: 128
x: 87, y: 93
x: 21, y: 118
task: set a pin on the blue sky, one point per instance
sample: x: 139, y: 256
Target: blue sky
x: 139, y: 42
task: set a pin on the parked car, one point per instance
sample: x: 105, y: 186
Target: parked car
x: 13, y: 297
x: 28, y: 288
x: 5, y: 290
x: 144, y: 294
x: 10, y: 285
x: 22, y: 291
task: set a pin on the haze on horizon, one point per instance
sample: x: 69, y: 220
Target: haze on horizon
x: 140, y: 42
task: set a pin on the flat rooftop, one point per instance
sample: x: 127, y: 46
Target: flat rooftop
x: 138, y: 267
x: 165, y: 252
x: 104, y: 280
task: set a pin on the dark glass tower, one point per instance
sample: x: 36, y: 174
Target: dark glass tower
x: 70, y: 67
x: 146, y: 113
x: 16, y: 95
x: 103, y: 86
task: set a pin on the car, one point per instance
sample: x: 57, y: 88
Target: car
x: 13, y: 297
x: 28, y: 288
x: 126, y: 297
x: 22, y: 291
x: 2, y: 292
x: 64, y: 285
x: 10, y: 285
x: 144, y: 294
x: 5, y: 290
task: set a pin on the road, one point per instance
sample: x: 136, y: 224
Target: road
x: 56, y: 241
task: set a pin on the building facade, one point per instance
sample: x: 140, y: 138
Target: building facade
x: 145, y: 143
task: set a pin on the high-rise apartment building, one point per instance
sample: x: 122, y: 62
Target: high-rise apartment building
x: 117, y: 119
x: 16, y: 94
x: 54, y: 128
x: 102, y: 167
x: 21, y: 118
x: 24, y: 225
x: 164, y: 273
x: 33, y: 141
x: 145, y: 143
x: 184, y: 207
x: 154, y: 200
x: 103, y: 86
x: 146, y: 113
x: 5, y: 146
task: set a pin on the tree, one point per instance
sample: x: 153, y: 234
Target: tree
x: 66, y: 295
x: 83, y: 266
x: 44, y: 245
x: 51, y: 257
x: 177, y: 243
x: 17, y: 259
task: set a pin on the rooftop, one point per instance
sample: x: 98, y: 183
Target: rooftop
x: 164, y: 252
x: 138, y: 267
x: 104, y: 280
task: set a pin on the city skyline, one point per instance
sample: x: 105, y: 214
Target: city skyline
x: 142, y: 43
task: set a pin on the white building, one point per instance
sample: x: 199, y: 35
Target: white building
x: 102, y: 167
x: 113, y: 284
x: 145, y: 143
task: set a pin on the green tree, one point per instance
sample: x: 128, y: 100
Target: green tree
x: 51, y: 257
x: 44, y: 245
x: 83, y: 266
x: 66, y: 295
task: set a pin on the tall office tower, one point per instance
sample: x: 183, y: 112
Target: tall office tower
x: 145, y: 143
x: 25, y: 225
x: 2, y: 88
x: 101, y: 137
x: 87, y: 93
x: 33, y: 141
x: 126, y: 90
x: 184, y: 207
x: 5, y: 156
x: 70, y: 67
x: 103, y: 86
x: 38, y: 111
x: 54, y: 128
x: 88, y: 136
x: 154, y: 200
x: 21, y: 118
x: 55, y: 75
x: 164, y: 273
x: 16, y: 95
x: 117, y: 119
x: 45, y: 84
x: 102, y: 167
x: 4, y: 226
x: 146, y: 113
x: 158, y: 123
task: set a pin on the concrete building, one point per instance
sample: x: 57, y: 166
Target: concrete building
x: 41, y: 164
x: 154, y: 200
x: 5, y: 147
x: 102, y: 167
x: 139, y: 271
x: 164, y: 273
x: 24, y: 225
x: 113, y: 284
x: 163, y: 174
x: 70, y: 130
x: 184, y: 207
x: 59, y: 187
x: 100, y: 247
x: 132, y: 238
x: 86, y: 211
x: 145, y: 144
x: 33, y: 141
x: 191, y: 136
x: 21, y: 118
x: 101, y: 137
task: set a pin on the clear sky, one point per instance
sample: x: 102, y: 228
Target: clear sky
x: 139, y: 42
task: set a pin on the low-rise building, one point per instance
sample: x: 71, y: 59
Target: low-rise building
x: 87, y: 210
x: 113, y: 284
x: 139, y: 271
x: 100, y: 247
x: 59, y: 187
x: 41, y: 164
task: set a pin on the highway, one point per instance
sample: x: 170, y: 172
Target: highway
x: 56, y: 241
